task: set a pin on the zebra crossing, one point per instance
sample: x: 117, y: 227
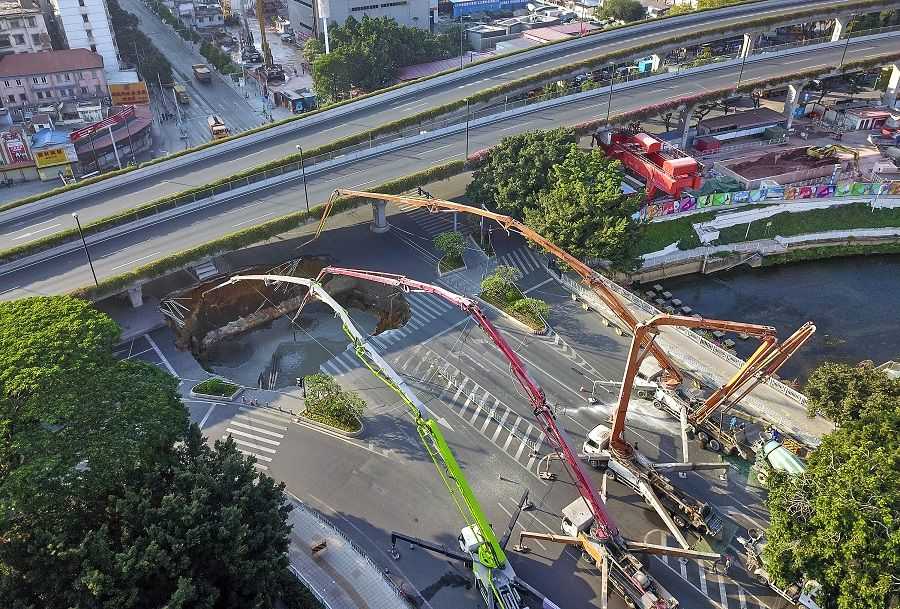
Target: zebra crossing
x: 721, y: 589
x: 425, y: 309
x: 258, y: 432
x: 522, y: 258
x: 517, y: 436
x: 432, y: 224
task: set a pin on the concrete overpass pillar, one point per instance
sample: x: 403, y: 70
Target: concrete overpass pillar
x: 890, y: 94
x: 136, y: 297
x: 749, y: 45
x: 684, y: 124
x: 840, y: 25
x: 791, y: 101
x: 379, y: 218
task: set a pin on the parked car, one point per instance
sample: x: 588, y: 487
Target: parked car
x: 287, y: 38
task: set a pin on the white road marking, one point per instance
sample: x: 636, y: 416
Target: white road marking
x: 34, y: 232
x: 244, y: 434
x: 258, y: 430
x: 260, y: 457
x: 135, y: 260
x: 252, y: 219
x: 512, y: 433
x: 206, y: 416
x: 703, y: 581
x: 500, y: 425
x: 159, y: 354
x: 254, y: 446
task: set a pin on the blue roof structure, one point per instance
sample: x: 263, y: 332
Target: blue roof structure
x: 49, y: 137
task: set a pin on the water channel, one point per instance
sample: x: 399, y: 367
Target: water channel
x: 854, y: 302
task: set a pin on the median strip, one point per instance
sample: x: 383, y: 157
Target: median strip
x: 447, y: 108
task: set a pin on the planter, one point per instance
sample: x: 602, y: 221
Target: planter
x: 441, y: 273
x: 195, y: 393
x: 350, y: 434
x: 515, y: 320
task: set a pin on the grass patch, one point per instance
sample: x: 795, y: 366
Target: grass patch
x: 526, y: 310
x: 326, y: 402
x: 831, y: 251
x: 448, y: 264
x: 786, y: 224
x: 216, y: 387
x: 657, y: 235
x: 332, y: 421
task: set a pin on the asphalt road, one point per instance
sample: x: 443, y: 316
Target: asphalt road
x: 387, y: 483
x: 371, y: 112
x: 124, y: 253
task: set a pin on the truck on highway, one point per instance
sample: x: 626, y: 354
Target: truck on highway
x: 217, y: 127
x: 202, y: 72
x: 799, y: 595
x: 181, y: 95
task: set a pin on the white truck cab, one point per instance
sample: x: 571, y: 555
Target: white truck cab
x: 576, y: 518
x: 596, y: 449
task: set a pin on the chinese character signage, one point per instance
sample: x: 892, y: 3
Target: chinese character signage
x: 129, y: 94
x: 51, y: 157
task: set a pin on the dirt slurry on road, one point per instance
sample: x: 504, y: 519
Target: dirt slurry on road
x: 212, y: 316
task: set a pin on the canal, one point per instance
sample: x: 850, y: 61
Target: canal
x: 854, y: 302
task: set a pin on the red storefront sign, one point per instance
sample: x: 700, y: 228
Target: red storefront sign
x: 113, y: 119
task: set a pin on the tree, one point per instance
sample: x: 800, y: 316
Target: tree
x: 326, y: 401
x: 452, y: 245
x: 517, y: 169
x: 501, y: 284
x: 845, y: 393
x: 837, y: 523
x: 623, y: 10
x: 584, y: 211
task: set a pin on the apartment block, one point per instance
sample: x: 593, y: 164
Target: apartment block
x: 85, y: 24
x: 22, y: 29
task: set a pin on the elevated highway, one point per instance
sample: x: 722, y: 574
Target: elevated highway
x: 132, y: 249
x: 31, y: 222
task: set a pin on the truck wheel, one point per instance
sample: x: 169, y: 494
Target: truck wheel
x: 679, y: 521
x: 657, y: 404
x: 762, y: 477
x: 612, y: 475
x: 703, y: 437
x: 587, y: 558
x: 715, y: 445
x: 761, y: 579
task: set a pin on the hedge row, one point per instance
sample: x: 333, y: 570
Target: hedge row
x: 483, y: 95
x: 831, y: 251
x: 261, y: 232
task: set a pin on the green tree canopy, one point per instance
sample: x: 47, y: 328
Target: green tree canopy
x: 517, y: 169
x: 838, y: 522
x: 367, y: 53
x: 584, y: 211
x: 623, y: 10
x: 845, y: 393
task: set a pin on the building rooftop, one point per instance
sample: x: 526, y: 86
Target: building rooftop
x: 15, y: 8
x: 46, y: 62
x: 743, y: 119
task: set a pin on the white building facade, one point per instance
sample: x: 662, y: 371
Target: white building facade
x: 22, y: 30
x: 85, y: 24
x: 305, y: 16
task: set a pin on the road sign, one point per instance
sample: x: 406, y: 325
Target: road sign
x: 112, y: 119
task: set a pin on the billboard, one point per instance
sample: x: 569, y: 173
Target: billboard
x: 51, y: 157
x: 129, y: 94
x: 14, y: 149
x: 109, y: 121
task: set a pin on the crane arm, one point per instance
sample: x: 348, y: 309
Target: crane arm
x: 643, y: 333
x: 535, y: 394
x: 491, y: 553
x: 589, y: 276
x: 764, y: 367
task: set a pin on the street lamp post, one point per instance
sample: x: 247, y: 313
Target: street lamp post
x: 303, y: 173
x: 612, y: 80
x: 461, y: 42
x: 741, y: 73
x: 849, y: 34
x: 84, y: 244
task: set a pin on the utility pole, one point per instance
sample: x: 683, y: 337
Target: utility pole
x: 84, y: 244
x: 741, y: 73
x: 461, y: 31
x: 612, y: 80
x: 467, y: 129
x: 849, y: 34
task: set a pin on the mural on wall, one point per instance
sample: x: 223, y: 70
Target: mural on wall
x: 771, y: 193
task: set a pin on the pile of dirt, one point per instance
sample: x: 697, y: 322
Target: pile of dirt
x: 780, y: 162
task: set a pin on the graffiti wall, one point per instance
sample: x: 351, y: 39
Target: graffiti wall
x: 774, y: 193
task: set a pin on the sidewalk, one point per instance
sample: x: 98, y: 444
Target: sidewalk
x: 340, y: 575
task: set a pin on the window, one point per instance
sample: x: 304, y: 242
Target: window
x: 18, y: 82
x: 11, y: 99
x: 22, y: 98
x: 15, y: 23
x: 31, y: 22
x: 4, y: 41
x: 35, y: 80
x: 85, y: 18
x: 36, y: 39
x: 20, y: 39
x: 98, y: 89
x: 6, y: 82
x: 390, y: 4
x: 84, y: 89
x: 93, y: 48
x: 67, y: 76
x: 44, y: 79
x: 364, y: 8
x: 40, y: 95
x: 80, y: 2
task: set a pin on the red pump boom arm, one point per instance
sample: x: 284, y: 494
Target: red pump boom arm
x: 606, y: 528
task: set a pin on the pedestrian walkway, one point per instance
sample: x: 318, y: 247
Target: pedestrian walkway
x: 512, y: 433
x: 258, y: 432
x: 338, y: 573
x: 522, y: 258
x: 426, y: 224
x: 425, y: 310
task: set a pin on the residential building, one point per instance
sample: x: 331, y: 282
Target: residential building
x: 22, y: 28
x: 208, y: 15
x: 305, y: 16
x: 85, y: 24
x: 32, y: 80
